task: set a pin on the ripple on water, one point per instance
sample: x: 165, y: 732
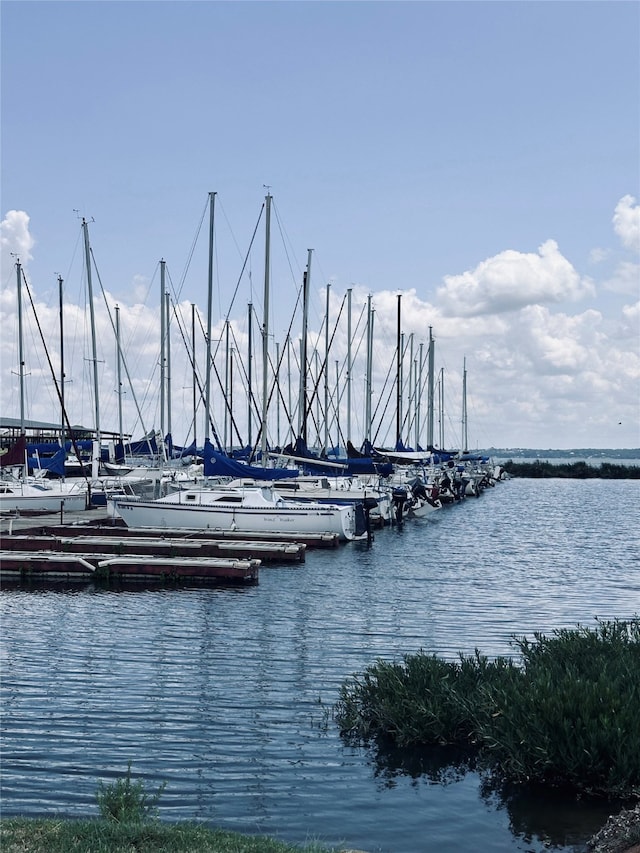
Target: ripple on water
x: 227, y: 694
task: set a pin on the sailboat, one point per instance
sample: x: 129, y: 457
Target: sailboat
x: 249, y: 510
x: 19, y: 492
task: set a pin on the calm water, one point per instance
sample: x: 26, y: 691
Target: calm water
x: 226, y: 694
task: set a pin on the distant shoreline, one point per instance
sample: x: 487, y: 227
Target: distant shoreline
x: 579, y: 470
x: 591, y: 455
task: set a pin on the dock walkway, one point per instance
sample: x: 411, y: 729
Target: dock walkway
x: 85, y: 546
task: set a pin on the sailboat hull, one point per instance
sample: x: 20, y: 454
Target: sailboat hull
x: 250, y: 511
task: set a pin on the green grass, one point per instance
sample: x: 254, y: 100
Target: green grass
x: 27, y: 835
x: 565, y: 714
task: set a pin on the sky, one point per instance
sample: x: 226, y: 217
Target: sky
x: 472, y: 168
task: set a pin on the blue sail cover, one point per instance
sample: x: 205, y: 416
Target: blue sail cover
x: 355, y: 463
x: 54, y: 464
x: 144, y: 447
x: 175, y: 451
x: 217, y: 464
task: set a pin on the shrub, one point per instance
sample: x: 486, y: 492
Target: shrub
x: 126, y: 801
x: 565, y: 715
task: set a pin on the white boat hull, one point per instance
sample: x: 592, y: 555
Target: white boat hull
x: 204, y: 510
x: 45, y: 502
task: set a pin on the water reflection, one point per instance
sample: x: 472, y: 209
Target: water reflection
x: 223, y: 692
x: 551, y: 818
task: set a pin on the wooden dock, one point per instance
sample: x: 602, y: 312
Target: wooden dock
x: 88, y: 547
x: 50, y: 565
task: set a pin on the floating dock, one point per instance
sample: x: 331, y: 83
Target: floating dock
x: 30, y: 565
x: 84, y: 547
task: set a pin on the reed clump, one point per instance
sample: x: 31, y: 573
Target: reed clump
x: 562, y: 712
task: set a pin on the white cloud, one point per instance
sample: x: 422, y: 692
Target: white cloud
x: 16, y: 241
x: 626, y: 222
x: 625, y: 279
x: 630, y: 322
x: 537, y: 376
x: 512, y: 280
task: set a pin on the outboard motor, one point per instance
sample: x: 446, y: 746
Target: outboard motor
x: 367, y: 505
x: 399, y: 500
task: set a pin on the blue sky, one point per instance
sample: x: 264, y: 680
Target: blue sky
x: 481, y: 158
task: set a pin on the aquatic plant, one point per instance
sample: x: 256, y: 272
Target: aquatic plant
x: 126, y: 801
x: 564, y: 714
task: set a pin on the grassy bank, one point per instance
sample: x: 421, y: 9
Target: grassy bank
x: 26, y: 835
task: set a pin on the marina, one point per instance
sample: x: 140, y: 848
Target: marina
x: 226, y: 692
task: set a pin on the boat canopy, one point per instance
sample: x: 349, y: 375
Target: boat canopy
x: 218, y: 464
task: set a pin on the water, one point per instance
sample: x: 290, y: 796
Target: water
x: 226, y: 694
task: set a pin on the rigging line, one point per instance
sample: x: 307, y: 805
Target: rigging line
x: 55, y: 380
x: 194, y: 367
x: 126, y: 368
x: 246, y: 259
x: 324, y: 363
x: 263, y: 426
x: 283, y: 233
x: 215, y: 370
x: 373, y: 417
x: 192, y: 250
x: 245, y: 376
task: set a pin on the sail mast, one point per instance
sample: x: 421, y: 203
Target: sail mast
x: 302, y: 406
x: 162, y: 347
x: 368, y: 382
x: 326, y: 375
x: 119, y: 374
x: 465, y: 437
x: 94, y: 351
x: 249, y: 374
x: 349, y: 364
x: 60, y: 298
x: 207, y: 387
x: 430, y: 390
x: 195, y: 376
x: 20, y: 346
x: 398, y: 374
x: 168, y: 321
x: 265, y: 330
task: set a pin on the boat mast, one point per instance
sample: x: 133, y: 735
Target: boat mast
x: 20, y: 346
x: 349, y: 291
x: 195, y: 378
x: 418, y: 380
x: 119, y: 374
x: 398, y: 373
x: 162, y: 347
x: 326, y: 375
x: 94, y: 350
x: 430, y: 389
x: 226, y: 443
x: 62, y: 430
x: 207, y: 389
x: 249, y: 375
x: 442, y: 408
x: 290, y: 434
x: 302, y: 406
x: 265, y: 330
x: 465, y: 437
x: 368, y: 383
x: 168, y: 321
x: 278, y: 401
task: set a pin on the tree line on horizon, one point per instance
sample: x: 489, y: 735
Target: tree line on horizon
x: 538, y: 469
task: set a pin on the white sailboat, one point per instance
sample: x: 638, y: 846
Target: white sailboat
x: 251, y: 510
x: 18, y: 491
